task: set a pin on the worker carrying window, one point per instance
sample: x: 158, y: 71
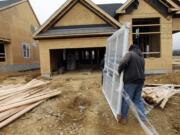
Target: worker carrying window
x: 133, y: 66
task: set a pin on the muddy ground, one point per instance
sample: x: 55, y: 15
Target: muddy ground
x: 81, y: 109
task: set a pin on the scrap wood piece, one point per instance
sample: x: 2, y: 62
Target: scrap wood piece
x: 164, y: 102
x: 155, y: 95
x: 11, y: 89
x: 158, y: 85
x: 29, y: 101
x: 17, y: 115
x: 40, y: 94
x: 6, y: 114
x: 18, y: 99
x: 20, y: 96
x: 8, y: 95
x: 159, y: 94
x: 31, y: 84
x: 4, y: 88
x: 25, y: 96
x: 22, y: 89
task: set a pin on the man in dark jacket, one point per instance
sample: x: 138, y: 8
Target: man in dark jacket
x: 133, y: 66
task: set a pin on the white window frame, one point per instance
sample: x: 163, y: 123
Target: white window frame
x: 26, y: 50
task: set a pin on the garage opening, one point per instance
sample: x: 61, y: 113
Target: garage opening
x: 2, y: 53
x: 146, y: 33
x: 76, y: 59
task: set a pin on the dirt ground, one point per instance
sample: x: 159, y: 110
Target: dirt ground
x: 81, y: 109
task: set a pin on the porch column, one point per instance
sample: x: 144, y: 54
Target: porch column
x: 45, y: 62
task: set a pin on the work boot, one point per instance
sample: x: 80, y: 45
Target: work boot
x: 121, y: 120
x: 118, y: 118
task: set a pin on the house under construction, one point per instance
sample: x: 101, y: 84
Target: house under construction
x: 75, y: 35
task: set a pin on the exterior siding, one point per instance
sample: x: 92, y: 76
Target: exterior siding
x: 79, y: 15
x: 15, y: 24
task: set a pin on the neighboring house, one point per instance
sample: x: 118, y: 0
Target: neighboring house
x: 75, y: 35
x: 18, y: 50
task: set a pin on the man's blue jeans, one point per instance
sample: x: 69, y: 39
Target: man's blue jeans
x: 134, y: 92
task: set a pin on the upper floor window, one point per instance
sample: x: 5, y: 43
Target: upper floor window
x: 146, y: 33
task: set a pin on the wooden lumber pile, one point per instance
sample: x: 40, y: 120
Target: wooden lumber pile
x: 159, y: 94
x: 16, y: 100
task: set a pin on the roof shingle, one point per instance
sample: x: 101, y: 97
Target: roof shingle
x: 76, y: 32
x: 110, y: 8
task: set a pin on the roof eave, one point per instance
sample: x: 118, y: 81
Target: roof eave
x: 72, y: 35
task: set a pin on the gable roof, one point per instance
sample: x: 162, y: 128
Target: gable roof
x: 68, y: 5
x: 165, y: 7
x: 9, y: 3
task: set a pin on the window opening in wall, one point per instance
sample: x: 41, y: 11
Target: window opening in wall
x: 146, y: 33
x: 2, y: 53
x: 26, y: 50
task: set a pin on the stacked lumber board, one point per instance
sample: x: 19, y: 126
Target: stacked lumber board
x: 159, y: 94
x: 16, y: 100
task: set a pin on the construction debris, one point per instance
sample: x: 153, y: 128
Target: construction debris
x: 158, y: 94
x: 16, y: 100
